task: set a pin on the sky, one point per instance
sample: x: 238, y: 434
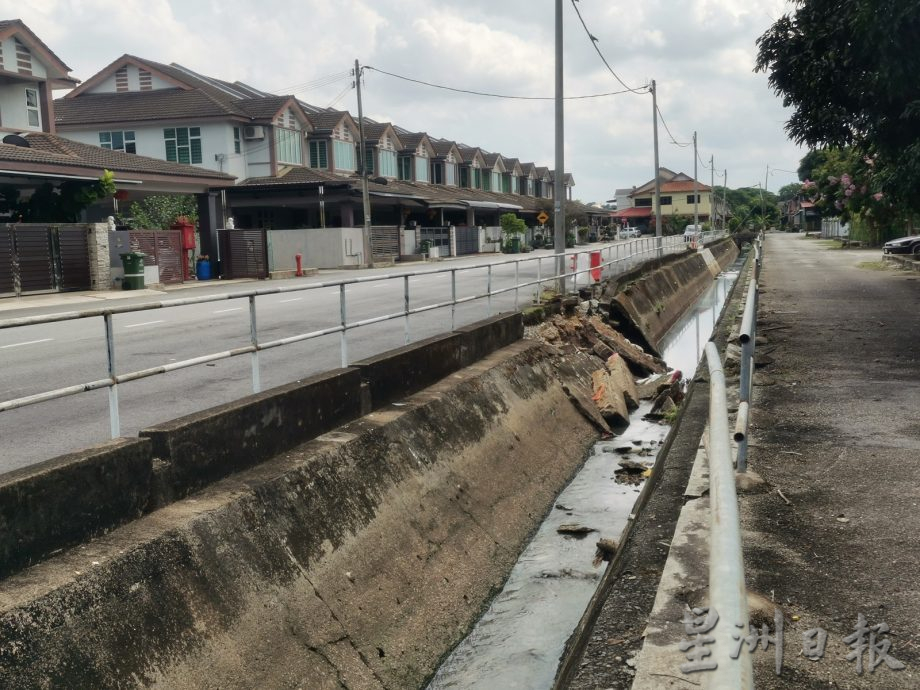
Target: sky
x: 700, y: 52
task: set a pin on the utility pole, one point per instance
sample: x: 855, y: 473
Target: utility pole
x: 725, y: 199
x: 362, y: 171
x: 558, y: 190
x: 712, y: 193
x: 696, y: 191
x: 763, y: 208
x: 657, y: 180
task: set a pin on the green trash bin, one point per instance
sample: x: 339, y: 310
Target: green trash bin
x: 133, y: 263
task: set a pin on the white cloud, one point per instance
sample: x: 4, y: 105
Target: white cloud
x: 701, y: 53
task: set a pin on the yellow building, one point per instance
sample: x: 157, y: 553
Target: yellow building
x: 677, y: 195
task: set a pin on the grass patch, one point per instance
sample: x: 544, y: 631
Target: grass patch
x: 830, y: 244
x: 873, y: 265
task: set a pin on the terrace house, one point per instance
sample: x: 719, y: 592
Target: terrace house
x: 414, y: 159
x: 445, y: 163
x: 142, y: 107
x: 382, y: 145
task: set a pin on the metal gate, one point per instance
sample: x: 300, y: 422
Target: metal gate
x: 163, y: 249
x: 243, y: 253
x: 437, y: 237
x: 467, y: 240
x: 384, y: 242
x: 43, y: 258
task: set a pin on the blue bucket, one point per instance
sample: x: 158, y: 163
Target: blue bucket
x: 203, y: 270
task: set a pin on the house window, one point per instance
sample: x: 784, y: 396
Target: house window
x: 118, y: 141
x: 530, y: 187
x: 369, y: 160
x: 465, y: 177
x: 451, y: 174
x: 690, y: 198
x: 665, y: 201
x: 506, y: 183
x: 437, y: 172
x: 405, y: 168
x: 496, y: 182
x: 343, y: 154
x: 183, y: 144
x: 643, y: 203
x: 237, y: 141
x: 487, y: 181
x: 477, y: 178
x: 421, y: 169
x: 318, y: 156
x: 387, y: 163
x: 32, y: 107
x: 287, y: 146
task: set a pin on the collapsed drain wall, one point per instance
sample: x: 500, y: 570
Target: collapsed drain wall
x: 358, y: 558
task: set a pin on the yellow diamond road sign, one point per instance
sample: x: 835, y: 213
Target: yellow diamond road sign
x: 542, y: 217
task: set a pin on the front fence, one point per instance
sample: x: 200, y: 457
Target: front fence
x: 613, y: 260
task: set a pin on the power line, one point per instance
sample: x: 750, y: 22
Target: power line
x: 317, y: 83
x: 341, y: 95
x: 493, y: 95
x: 666, y: 129
x: 594, y: 40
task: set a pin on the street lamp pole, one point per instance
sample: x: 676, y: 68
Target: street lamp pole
x: 657, y: 178
x: 558, y: 190
x: 696, y: 191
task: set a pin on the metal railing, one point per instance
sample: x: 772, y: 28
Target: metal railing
x: 727, y: 592
x: 747, y: 338
x: 614, y: 259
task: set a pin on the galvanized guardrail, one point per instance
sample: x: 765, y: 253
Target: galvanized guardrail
x: 615, y: 259
x: 727, y: 591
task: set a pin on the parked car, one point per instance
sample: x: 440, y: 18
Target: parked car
x: 903, y: 245
x: 627, y: 233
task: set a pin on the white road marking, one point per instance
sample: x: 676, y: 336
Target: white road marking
x: 30, y: 342
x: 224, y: 311
x: 145, y: 323
x: 295, y: 299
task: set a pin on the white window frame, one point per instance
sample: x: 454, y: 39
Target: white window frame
x: 106, y: 140
x: 33, y: 108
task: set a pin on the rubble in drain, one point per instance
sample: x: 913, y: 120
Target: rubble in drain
x: 626, y: 374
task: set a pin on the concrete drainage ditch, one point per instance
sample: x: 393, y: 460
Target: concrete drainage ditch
x: 355, y: 556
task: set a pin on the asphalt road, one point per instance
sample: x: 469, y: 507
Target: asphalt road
x: 39, y: 358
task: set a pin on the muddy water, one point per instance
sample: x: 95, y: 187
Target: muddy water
x: 519, y: 639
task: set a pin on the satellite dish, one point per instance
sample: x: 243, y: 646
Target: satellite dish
x: 16, y: 140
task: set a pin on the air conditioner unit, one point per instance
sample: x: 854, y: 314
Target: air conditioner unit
x: 254, y: 132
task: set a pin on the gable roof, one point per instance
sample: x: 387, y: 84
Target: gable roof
x: 495, y: 161
x: 375, y: 131
x: 412, y: 140
x: 513, y: 165
x: 670, y: 182
x: 470, y: 153
x: 193, y: 96
x: 326, y: 121
x: 442, y: 147
x: 58, y: 71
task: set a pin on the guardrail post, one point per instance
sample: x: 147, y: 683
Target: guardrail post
x: 517, y: 264
x: 540, y: 280
x: 114, y: 417
x: 727, y: 593
x: 254, y: 340
x: 406, y: 307
x: 453, y: 299
x: 343, y: 338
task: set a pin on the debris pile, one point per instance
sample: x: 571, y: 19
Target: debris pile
x: 627, y: 374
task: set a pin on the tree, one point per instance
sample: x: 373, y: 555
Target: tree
x: 790, y: 191
x: 159, y: 212
x: 848, y: 69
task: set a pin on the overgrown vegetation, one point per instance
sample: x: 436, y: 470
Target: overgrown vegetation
x: 160, y: 212
x: 848, y: 71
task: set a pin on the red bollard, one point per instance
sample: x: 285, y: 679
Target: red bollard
x: 596, y: 267
x: 298, y: 258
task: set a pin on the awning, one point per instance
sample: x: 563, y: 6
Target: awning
x: 447, y: 206
x: 636, y: 212
x: 494, y: 205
